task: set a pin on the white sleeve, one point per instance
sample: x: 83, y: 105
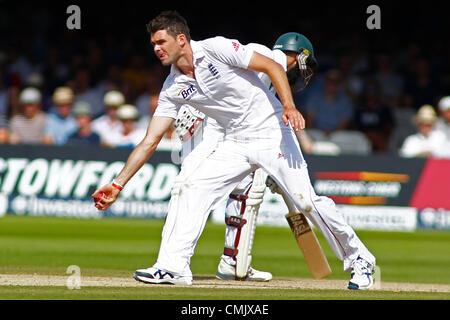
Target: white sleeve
x: 276, y: 55
x: 410, y: 147
x: 229, y: 51
x: 165, y: 107
x: 441, y: 146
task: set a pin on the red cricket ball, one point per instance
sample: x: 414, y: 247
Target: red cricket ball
x: 99, y: 195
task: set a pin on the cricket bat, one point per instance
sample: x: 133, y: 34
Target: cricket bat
x: 307, y: 241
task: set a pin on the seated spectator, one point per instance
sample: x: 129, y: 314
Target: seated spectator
x: 331, y: 109
x: 421, y: 86
x: 391, y: 83
x: 28, y: 126
x: 4, y: 132
x: 351, y: 83
x: 131, y: 135
x: 84, y: 135
x: 403, y: 115
x: 10, y: 104
x: 60, y: 123
x: 427, y: 142
x: 443, y: 122
x: 146, y: 101
x: 108, y: 124
x: 374, y: 118
x: 82, y: 86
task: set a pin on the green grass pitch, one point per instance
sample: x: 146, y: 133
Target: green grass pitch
x: 116, y: 247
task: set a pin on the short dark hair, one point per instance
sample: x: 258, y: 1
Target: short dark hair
x: 172, y: 22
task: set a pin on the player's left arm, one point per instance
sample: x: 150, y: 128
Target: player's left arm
x: 277, y: 75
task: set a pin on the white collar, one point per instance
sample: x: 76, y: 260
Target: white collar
x: 197, y: 50
x: 197, y: 53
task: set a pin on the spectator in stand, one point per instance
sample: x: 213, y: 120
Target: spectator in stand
x: 11, y: 104
x: 351, y: 83
x: 131, y: 135
x: 390, y: 82
x: 3, y: 94
x: 108, y: 124
x: 421, y: 87
x: 4, y: 132
x: 403, y: 115
x: 112, y: 81
x: 136, y: 71
x: 18, y: 63
x: 147, y: 101
x: 84, y: 135
x: 331, y: 109
x: 82, y: 86
x: 443, y: 122
x: 60, y: 123
x: 28, y: 127
x: 373, y: 117
x: 36, y: 80
x: 427, y: 142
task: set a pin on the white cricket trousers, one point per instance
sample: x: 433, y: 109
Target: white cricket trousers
x: 209, y: 175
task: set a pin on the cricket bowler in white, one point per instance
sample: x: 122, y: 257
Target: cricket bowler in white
x: 216, y: 76
x: 191, y: 123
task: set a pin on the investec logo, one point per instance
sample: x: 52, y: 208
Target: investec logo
x: 188, y: 92
x: 69, y: 179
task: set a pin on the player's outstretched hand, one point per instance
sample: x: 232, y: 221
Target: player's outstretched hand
x: 105, y: 196
x: 294, y: 117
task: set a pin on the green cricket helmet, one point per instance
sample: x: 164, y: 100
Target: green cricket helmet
x: 307, y: 63
x: 296, y: 42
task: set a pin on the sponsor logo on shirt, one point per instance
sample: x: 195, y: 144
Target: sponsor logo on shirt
x: 235, y: 45
x: 188, y: 92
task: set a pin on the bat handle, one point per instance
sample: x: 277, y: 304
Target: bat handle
x: 289, y: 203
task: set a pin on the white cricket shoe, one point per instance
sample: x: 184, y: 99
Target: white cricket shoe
x: 158, y: 276
x: 227, y: 271
x: 361, y: 275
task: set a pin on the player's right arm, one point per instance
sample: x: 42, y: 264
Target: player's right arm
x: 277, y: 75
x: 143, y: 151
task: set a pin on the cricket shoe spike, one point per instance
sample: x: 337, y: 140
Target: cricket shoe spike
x: 157, y: 276
x: 361, y: 278
x: 227, y: 271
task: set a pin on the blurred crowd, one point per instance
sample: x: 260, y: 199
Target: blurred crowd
x: 82, y: 90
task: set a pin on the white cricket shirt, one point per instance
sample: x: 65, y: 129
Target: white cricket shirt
x: 223, y: 89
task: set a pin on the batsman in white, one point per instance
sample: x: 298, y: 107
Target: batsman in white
x: 217, y: 77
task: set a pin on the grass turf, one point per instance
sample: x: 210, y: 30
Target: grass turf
x: 116, y: 247
x: 191, y: 293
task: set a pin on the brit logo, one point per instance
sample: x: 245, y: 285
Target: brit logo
x: 188, y: 92
x: 213, y: 71
x: 235, y: 45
